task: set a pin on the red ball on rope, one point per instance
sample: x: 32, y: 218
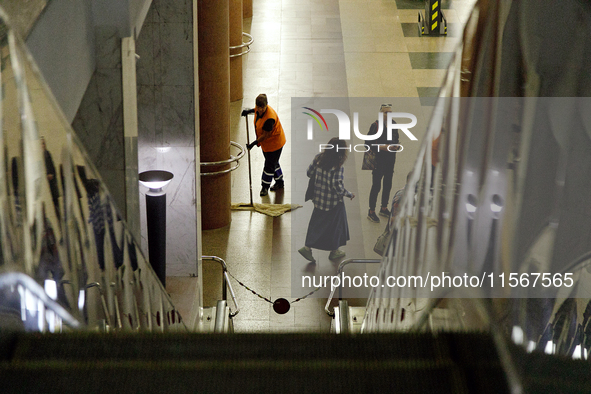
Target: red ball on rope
x: 281, y: 306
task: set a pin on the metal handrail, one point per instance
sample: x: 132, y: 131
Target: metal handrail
x: 343, y: 322
x: 103, y: 301
x: 227, y: 161
x: 339, y: 270
x: 117, y: 311
x: 75, y: 182
x: 220, y: 317
x: 244, y: 44
x: 19, y: 278
x: 225, y: 282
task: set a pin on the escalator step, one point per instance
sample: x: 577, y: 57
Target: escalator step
x: 143, y: 362
x: 81, y: 346
x: 223, y: 377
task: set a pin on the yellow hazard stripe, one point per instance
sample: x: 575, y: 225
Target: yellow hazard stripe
x: 434, y: 5
x: 433, y: 26
x: 434, y: 15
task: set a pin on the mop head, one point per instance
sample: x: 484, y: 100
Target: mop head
x: 267, y: 209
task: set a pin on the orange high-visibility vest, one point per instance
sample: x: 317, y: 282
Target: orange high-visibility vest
x: 277, y: 138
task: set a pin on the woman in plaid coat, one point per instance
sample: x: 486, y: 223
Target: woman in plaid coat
x: 328, y: 228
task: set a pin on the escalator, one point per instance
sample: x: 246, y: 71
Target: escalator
x: 286, y: 363
x: 251, y: 363
x: 67, y: 258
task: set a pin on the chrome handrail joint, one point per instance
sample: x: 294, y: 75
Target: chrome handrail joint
x: 232, y: 159
x: 225, y: 282
x: 339, y: 271
x: 243, y: 45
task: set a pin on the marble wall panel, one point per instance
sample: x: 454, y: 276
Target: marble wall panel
x: 108, y: 48
x: 88, y: 123
x: 99, y: 119
x: 146, y: 116
x: 181, y: 162
x: 147, y: 158
x: 157, y: 53
x: 181, y: 209
x: 111, y: 113
x: 166, y: 115
x: 179, y: 11
x: 151, y: 16
x: 178, y: 160
x: 184, y: 234
x: 176, y: 55
x: 99, y: 125
x: 144, y: 48
x: 158, y: 118
x: 178, y: 115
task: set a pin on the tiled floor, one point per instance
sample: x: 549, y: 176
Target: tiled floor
x: 327, y: 48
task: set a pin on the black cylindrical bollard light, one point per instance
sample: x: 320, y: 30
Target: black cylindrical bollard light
x: 156, y: 219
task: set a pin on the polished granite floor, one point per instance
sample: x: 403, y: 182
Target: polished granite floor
x: 304, y: 48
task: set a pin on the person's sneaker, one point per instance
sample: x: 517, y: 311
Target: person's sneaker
x: 264, y: 191
x: 336, y: 254
x: 277, y: 186
x: 307, y: 253
x: 373, y: 217
x: 384, y: 212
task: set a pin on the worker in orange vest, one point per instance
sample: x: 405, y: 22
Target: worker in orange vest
x: 271, y: 139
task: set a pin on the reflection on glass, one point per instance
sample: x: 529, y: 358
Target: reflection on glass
x: 58, y: 222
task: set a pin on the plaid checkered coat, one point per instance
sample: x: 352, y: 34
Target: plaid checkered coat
x: 328, y: 186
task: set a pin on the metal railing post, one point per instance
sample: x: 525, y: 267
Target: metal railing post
x: 339, y: 271
x: 225, y: 282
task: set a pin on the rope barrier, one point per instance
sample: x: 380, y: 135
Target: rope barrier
x: 281, y: 305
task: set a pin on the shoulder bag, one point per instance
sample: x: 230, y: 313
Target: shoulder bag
x: 382, y: 242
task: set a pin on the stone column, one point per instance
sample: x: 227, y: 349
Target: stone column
x: 214, y: 109
x: 247, y: 9
x: 236, y: 92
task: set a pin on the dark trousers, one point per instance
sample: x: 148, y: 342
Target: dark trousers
x: 378, y: 176
x: 272, y: 169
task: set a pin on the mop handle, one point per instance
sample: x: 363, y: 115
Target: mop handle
x: 249, y: 170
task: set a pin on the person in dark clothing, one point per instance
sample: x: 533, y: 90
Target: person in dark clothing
x: 385, y: 159
x: 50, y: 264
x: 51, y: 178
x: 95, y: 213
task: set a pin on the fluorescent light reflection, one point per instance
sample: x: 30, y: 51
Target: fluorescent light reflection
x: 550, y: 348
x: 517, y: 335
x: 531, y: 346
x: 578, y: 354
x: 81, y: 299
x: 51, y: 288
